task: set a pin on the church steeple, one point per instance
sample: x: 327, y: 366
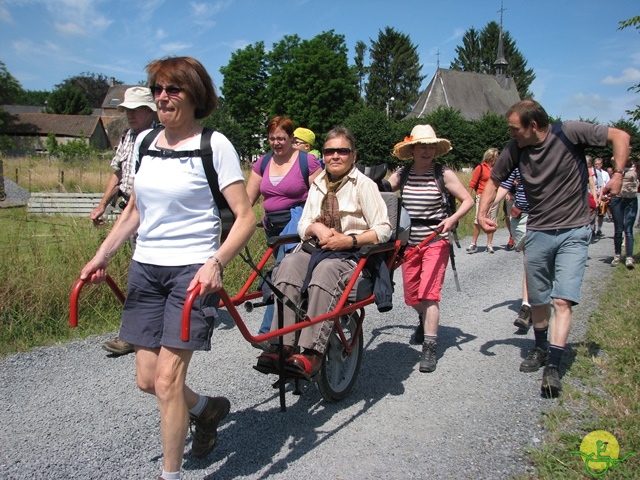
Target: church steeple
x: 501, y: 62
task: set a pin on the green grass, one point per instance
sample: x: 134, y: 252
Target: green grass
x: 602, y: 389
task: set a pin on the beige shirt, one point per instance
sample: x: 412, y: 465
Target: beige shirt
x: 361, y: 206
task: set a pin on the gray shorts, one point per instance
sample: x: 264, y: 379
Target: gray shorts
x: 519, y: 230
x: 152, y: 313
x: 555, y: 263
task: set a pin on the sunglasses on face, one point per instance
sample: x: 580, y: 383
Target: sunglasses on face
x: 343, y: 152
x: 172, y: 90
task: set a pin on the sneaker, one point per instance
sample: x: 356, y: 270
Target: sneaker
x: 599, y: 234
x: 418, y: 336
x: 118, y: 347
x: 511, y: 244
x: 428, y: 360
x: 490, y: 249
x: 472, y: 248
x: 524, y: 318
x: 615, y: 261
x: 551, y: 386
x: 629, y: 263
x: 206, y: 425
x: 534, y: 361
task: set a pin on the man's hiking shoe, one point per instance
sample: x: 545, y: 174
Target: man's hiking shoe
x: 524, y: 318
x: 418, y: 336
x: 534, y: 361
x: 206, y: 425
x: 472, y: 248
x: 551, y: 385
x: 615, y: 261
x: 428, y: 360
x: 118, y: 347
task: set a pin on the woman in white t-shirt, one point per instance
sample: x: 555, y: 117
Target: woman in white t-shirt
x: 178, y: 248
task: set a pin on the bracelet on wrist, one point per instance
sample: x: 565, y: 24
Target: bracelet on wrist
x: 215, y: 259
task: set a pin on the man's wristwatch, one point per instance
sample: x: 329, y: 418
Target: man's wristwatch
x: 355, y: 240
x: 618, y: 170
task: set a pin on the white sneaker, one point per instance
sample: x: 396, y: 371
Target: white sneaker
x: 472, y: 248
x: 629, y: 263
x: 615, y: 261
x: 490, y: 249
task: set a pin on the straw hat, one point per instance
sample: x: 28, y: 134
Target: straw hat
x: 135, y: 97
x: 421, y: 134
x: 305, y: 135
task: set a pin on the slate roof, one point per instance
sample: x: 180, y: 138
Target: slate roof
x: 471, y: 93
x: 115, y: 96
x: 43, y: 124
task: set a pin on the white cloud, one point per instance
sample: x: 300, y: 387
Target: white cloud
x: 591, y: 101
x: 174, y: 47
x: 5, y: 16
x: 457, y: 33
x: 629, y: 75
x: 69, y: 28
x: 160, y: 34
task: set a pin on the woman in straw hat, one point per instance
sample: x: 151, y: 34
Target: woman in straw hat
x: 423, y: 273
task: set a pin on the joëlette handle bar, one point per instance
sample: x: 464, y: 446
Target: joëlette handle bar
x: 340, y: 309
x: 75, y: 293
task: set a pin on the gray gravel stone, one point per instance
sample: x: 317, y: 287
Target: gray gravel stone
x: 71, y: 411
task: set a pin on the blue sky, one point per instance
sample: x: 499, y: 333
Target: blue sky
x: 583, y: 63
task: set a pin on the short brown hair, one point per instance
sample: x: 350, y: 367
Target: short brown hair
x: 280, y: 122
x: 189, y: 74
x: 529, y: 111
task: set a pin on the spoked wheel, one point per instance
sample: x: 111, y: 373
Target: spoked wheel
x: 340, y: 369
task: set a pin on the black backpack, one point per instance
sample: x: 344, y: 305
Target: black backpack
x: 206, y: 154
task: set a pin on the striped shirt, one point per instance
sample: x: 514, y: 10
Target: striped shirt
x: 423, y: 200
x: 520, y: 200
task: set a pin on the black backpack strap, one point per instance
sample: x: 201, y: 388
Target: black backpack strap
x: 206, y: 154
x: 146, y: 143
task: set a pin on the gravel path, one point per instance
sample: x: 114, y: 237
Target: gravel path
x: 71, y: 411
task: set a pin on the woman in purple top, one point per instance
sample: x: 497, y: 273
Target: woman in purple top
x: 282, y: 186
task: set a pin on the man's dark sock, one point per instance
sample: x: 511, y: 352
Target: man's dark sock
x: 555, y: 355
x: 541, y: 337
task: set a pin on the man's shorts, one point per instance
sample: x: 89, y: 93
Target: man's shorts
x: 555, y: 263
x: 519, y: 230
x: 423, y: 273
x: 493, y: 211
x: 152, y: 313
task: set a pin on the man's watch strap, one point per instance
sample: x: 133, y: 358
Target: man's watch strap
x: 355, y: 240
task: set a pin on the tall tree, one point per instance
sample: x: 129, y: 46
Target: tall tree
x: 36, y: 98
x: 633, y: 22
x: 10, y: 88
x: 245, y: 94
x: 311, y: 81
x: 94, y: 86
x: 479, y: 52
x: 360, y: 68
x: 68, y: 100
x: 394, y: 73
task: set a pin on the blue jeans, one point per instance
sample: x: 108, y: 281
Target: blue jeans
x: 624, y: 212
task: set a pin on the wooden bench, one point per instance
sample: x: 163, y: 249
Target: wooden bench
x: 68, y: 205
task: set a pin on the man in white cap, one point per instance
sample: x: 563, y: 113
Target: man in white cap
x: 140, y: 109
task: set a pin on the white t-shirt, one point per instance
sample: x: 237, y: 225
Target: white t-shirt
x: 179, y: 221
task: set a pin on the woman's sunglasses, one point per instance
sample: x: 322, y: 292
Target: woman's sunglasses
x: 171, y: 90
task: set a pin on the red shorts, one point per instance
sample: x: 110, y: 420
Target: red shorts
x: 423, y: 273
